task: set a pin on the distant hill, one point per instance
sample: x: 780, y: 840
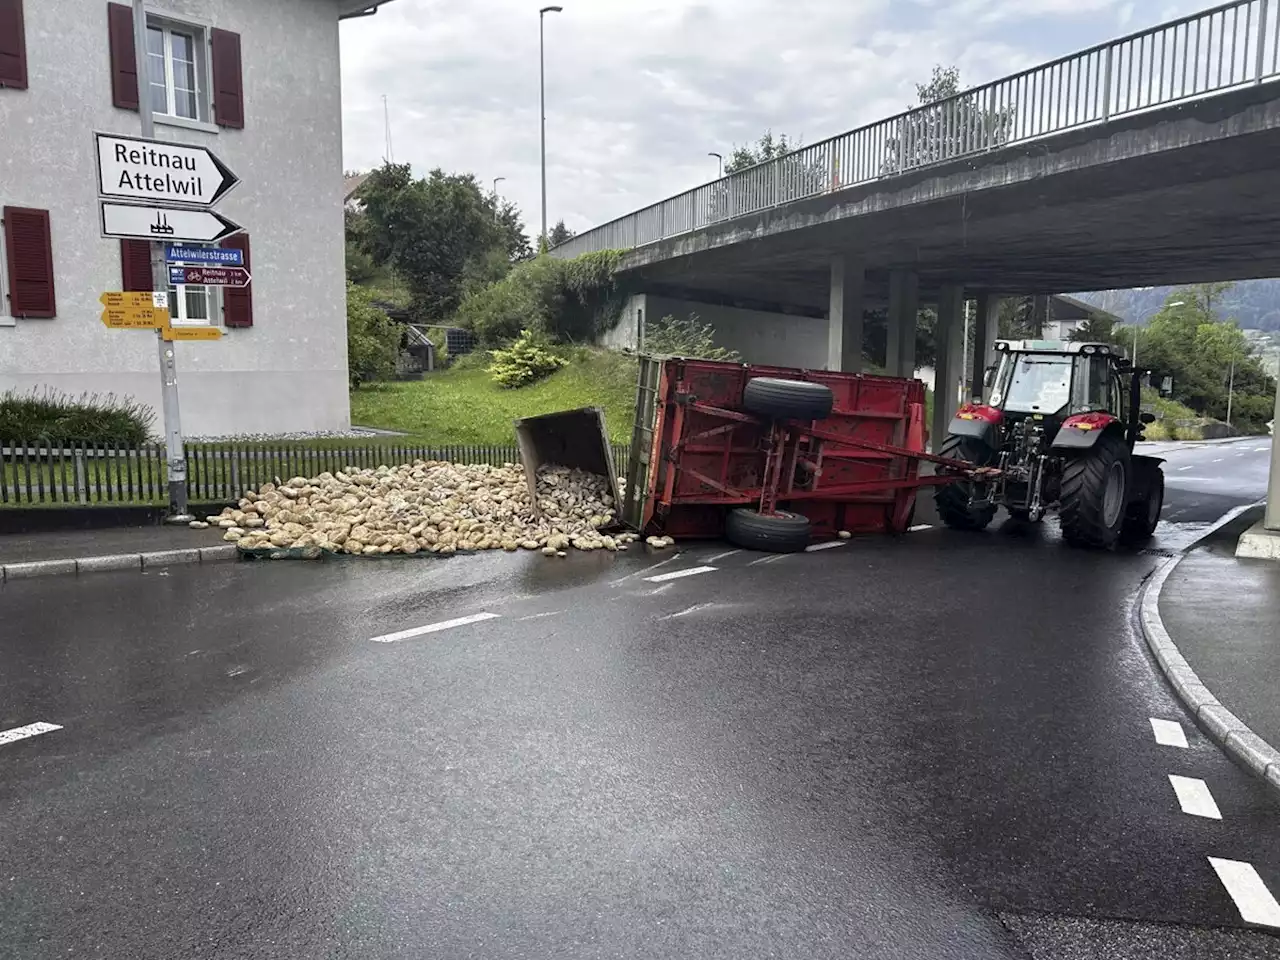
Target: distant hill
x: 1254, y: 304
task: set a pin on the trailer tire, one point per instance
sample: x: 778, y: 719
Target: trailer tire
x: 952, y: 500
x: 1143, y: 516
x: 1094, y: 498
x: 787, y: 399
x: 781, y: 533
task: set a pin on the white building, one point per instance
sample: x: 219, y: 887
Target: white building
x: 257, y: 82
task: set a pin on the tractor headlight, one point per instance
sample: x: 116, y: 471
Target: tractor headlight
x: 1088, y: 349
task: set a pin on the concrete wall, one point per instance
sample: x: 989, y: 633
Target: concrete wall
x: 288, y: 372
x: 759, y: 336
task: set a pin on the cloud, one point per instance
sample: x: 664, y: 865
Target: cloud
x: 637, y: 94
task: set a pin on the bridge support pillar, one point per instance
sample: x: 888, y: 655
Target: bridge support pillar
x: 950, y: 363
x: 844, y: 316
x: 982, y: 346
x: 1039, y: 313
x: 904, y: 305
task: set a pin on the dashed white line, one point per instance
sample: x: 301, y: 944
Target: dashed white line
x: 814, y: 548
x: 1192, y: 467
x: 684, y: 613
x: 1251, y: 896
x: 1194, y: 797
x: 772, y: 558
x: 1168, y: 733
x: 435, y: 627
x: 30, y: 730
x: 1219, y: 460
x: 539, y: 616
x: 1261, y: 449
x: 654, y: 566
x: 677, y: 574
x: 722, y: 556
x: 920, y: 526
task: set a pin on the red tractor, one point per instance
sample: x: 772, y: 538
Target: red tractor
x: 1057, y: 432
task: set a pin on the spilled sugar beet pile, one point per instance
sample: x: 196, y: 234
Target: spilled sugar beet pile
x: 426, y: 506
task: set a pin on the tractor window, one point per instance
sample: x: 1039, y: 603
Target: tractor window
x: 1032, y: 383
x: 1093, y: 385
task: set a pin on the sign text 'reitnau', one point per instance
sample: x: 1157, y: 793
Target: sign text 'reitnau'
x: 133, y: 169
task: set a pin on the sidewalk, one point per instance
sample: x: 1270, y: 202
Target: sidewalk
x: 82, y: 551
x: 1223, y: 615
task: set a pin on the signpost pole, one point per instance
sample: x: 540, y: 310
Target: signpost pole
x: 174, y: 452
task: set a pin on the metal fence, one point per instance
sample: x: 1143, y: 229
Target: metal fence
x: 71, y: 474
x: 1215, y: 50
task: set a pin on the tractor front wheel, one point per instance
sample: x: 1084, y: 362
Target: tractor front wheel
x: 954, y: 499
x: 1095, y: 489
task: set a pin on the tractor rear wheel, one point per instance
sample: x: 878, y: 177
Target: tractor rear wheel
x: 1095, y: 488
x: 788, y: 399
x: 781, y: 532
x: 953, y: 499
x: 1143, y: 516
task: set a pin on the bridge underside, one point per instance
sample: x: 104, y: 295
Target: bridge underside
x: 1179, y: 195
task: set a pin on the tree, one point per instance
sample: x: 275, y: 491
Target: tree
x: 950, y: 125
x: 560, y: 234
x: 1098, y: 328
x: 373, y: 339
x: 685, y: 336
x: 437, y: 234
x: 795, y: 175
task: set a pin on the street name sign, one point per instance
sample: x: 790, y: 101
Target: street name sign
x: 147, y: 222
x: 130, y: 168
x: 213, y: 256
x: 191, y: 333
x: 135, y: 311
x: 209, y: 276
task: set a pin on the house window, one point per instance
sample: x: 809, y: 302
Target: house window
x: 176, y: 70
x: 192, y: 304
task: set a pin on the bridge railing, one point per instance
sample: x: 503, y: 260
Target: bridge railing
x: 1228, y: 46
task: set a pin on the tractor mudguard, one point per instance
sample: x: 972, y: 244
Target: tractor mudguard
x: 979, y: 429
x: 1144, y: 471
x: 1082, y: 431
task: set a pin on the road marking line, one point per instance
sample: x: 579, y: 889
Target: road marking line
x: 1261, y: 449
x: 677, y: 574
x: 1192, y: 467
x: 539, y: 616
x: 1194, y: 797
x: 1251, y: 896
x: 30, y: 730
x: 770, y: 559
x: 435, y: 627
x: 722, y: 556
x: 684, y: 613
x: 653, y: 566
x: 1219, y: 460
x: 1168, y: 733
x: 920, y: 526
x: 826, y: 546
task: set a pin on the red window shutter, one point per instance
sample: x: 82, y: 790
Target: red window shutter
x: 13, y: 45
x: 135, y: 265
x: 124, y: 63
x: 29, y: 254
x: 237, y: 303
x: 228, y: 83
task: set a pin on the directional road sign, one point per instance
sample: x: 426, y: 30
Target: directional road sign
x: 210, y: 276
x: 213, y: 256
x: 191, y: 333
x: 130, y: 168
x: 138, y: 222
x: 135, y: 311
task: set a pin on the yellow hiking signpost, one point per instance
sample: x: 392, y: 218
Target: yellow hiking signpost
x: 149, y: 311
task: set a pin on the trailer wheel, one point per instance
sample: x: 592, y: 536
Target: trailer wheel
x: 787, y: 399
x: 781, y: 533
x: 1095, y: 487
x: 1143, y: 516
x: 952, y: 500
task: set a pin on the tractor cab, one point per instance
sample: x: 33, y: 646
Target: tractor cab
x: 1050, y: 380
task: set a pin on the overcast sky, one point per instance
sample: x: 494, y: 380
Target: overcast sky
x: 638, y: 91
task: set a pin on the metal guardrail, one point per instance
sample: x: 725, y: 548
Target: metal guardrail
x: 54, y: 474
x: 1228, y: 46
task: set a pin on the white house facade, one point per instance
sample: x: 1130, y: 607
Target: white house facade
x: 258, y: 83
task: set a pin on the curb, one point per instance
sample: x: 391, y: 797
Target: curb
x: 115, y: 561
x: 1224, y: 727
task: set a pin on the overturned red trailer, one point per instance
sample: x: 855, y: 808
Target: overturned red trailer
x: 772, y: 457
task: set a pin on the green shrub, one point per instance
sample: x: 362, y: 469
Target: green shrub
x: 528, y: 360
x: 89, y: 418
x: 685, y: 337
x: 373, y: 339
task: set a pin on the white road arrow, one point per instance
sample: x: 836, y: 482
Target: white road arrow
x: 133, y: 222
x: 130, y: 168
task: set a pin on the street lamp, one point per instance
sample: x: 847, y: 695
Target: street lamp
x: 721, y: 159
x: 496, y: 181
x: 542, y: 110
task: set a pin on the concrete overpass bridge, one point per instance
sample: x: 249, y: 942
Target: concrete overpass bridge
x: 1148, y: 160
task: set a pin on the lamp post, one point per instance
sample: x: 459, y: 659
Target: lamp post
x: 542, y: 108
x: 719, y: 158
x: 496, y: 181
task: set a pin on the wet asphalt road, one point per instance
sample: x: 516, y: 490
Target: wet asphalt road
x: 936, y: 746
